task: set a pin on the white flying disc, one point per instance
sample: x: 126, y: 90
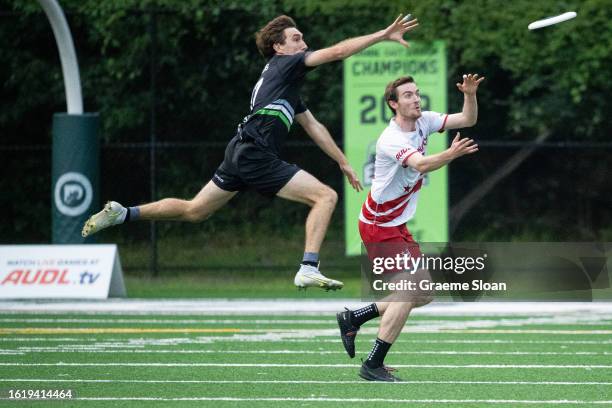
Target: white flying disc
x: 408, y: 17
x: 545, y: 22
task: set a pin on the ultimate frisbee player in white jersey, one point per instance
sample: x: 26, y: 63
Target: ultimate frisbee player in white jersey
x: 401, y: 163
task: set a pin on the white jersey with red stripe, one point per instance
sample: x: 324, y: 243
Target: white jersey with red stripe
x: 395, y: 188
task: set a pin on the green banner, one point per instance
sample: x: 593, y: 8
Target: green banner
x: 366, y: 115
x: 74, y: 189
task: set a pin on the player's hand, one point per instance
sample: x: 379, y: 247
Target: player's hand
x: 351, y: 175
x: 470, y: 84
x: 396, y: 31
x: 460, y: 147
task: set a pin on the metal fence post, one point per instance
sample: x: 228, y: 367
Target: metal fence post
x: 153, y: 138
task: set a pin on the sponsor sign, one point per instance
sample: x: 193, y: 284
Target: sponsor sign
x: 60, y: 271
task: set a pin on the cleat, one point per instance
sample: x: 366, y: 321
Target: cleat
x: 310, y: 277
x: 378, y: 374
x: 112, y: 214
x: 348, y: 332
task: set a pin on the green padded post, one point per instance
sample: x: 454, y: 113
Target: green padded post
x: 75, y: 175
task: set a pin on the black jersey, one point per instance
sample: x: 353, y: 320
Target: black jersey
x: 275, y: 101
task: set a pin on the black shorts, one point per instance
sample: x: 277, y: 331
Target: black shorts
x: 247, y: 165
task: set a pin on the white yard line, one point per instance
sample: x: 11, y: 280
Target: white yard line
x: 479, y: 366
x: 206, y: 340
x: 103, y: 349
x: 437, y: 324
x: 288, y: 332
x: 357, y: 400
x: 459, y: 382
x: 294, y: 306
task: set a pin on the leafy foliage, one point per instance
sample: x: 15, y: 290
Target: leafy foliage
x: 203, y: 58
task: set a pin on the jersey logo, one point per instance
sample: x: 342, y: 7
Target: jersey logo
x: 400, y: 154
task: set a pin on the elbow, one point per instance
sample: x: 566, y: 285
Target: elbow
x: 421, y: 167
x: 471, y: 120
x: 338, y: 53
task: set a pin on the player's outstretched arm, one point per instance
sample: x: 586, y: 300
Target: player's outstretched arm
x: 346, y: 48
x: 459, y: 147
x: 469, y: 115
x: 319, y: 133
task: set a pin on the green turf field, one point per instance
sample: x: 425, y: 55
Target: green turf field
x: 193, y: 360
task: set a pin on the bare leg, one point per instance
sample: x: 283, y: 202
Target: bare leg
x: 305, y: 188
x: 396, y: 307
x: 206, y: 202
x: 393, y: 320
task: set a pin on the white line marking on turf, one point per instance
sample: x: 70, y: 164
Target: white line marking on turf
x: 344, y: 400
x: 544, y: 366
x: 293, y: 332
x: 106, y: 349
x: 173, y: 321
x: 257, y: 339
x: 414, y: 325
x: 299, y: 382
x: 434, y: 341
x: 555, y: 320
x: 294, y: 306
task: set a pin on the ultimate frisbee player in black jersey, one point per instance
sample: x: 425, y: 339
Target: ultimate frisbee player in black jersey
x: 252, y: 155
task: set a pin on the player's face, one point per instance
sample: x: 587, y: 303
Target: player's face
x: 408, y: 101
x: 294, y: 42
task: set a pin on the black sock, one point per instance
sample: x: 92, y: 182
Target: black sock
x: 315, y: 264
x: 360, y: 316
x: 378, y: 353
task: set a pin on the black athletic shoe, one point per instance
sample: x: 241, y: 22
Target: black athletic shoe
x: 348, y: 332
x: 378, y: 374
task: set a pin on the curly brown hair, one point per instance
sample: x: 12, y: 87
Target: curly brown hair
x: 272, y: 33
x: 391, y: 89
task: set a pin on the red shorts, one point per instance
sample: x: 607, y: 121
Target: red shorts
x: 387, y: 242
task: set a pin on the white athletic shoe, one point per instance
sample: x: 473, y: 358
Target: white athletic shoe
x: 310, y: 277
x: 112, y: 214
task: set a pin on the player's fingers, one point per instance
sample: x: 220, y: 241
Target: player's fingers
x: 410, y: 23
x: 397, y: 19
x: 480, y: 80
x: 356, y: 184
x: 468, y: 143
x: 413, y: 26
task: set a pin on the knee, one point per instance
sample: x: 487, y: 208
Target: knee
x: 424, y: 299
x: 328, y: 196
